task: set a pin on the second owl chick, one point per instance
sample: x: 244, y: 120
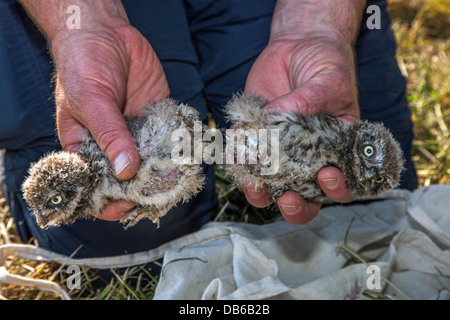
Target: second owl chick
x: 366, y: 153
x: 63, y: 187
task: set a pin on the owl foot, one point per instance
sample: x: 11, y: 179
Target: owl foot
x: 138, y: 214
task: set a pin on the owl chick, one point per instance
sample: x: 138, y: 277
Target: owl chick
x: 366, y: 153
x: 62, y: 187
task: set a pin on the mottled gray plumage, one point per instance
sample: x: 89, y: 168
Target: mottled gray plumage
x: 62, y: 186
x: 365, y: 152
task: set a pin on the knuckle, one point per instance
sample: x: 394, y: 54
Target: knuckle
x: 106, y: 138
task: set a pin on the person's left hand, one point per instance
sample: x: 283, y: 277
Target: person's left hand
x: 313, y: 75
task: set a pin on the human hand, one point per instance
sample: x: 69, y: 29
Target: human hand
x: 104, y: 71
x: 312, y: 75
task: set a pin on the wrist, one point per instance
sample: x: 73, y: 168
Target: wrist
x: 52, y: 16
x: 297, y: 20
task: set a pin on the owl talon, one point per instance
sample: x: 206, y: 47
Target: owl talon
x: 279, y: 190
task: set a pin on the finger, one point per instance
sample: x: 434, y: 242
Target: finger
x: 257, y: 196
x: 111, y: 132
x: 116, y: 210
x: 108, y: 127
x: 295, y: 209
x: 333, y: 184
x: 316, y: 96
x: 96, y: 110
x: 70, y: 132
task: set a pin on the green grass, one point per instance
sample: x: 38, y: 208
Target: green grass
x: 422, y: 28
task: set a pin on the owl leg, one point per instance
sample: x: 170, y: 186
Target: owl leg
x: 138, y: 214
x: 277, y: 190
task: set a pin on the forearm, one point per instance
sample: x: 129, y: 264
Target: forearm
x: 297, y: 19
x: 51, y: 15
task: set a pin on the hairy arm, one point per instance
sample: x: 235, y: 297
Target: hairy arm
x: 308, y: 18
x: 51, y: 15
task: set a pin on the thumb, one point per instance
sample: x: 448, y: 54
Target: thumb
x: 111, y: 132
x: 109, y: 129
x: 315, y: 96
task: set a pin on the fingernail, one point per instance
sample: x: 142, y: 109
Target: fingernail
x: 275, y: 109
x: 122, y: 161
x: 330, y: 183
x: 290, y: 209
x: 256, y: 192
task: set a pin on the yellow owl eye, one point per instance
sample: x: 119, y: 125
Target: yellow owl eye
x: 368, y: 151
x: 380, y: 180
x: 56, y: 200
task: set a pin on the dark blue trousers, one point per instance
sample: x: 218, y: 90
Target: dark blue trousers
x: 207, y: 48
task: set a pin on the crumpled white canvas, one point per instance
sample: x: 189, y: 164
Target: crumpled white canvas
x: 404, y: 236
x: 407, y: 235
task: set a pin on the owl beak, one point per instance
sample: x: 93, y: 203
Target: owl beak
x: 369, y: 174
x: 42, y: 221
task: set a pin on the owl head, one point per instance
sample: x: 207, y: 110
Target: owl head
x: 56, y: 186
x: 377, y: 159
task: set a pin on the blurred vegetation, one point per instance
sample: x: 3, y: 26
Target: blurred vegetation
x: 422, y: 29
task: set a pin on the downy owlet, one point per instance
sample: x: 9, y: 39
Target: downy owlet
x: 62, y: 186
x: 366, y: 153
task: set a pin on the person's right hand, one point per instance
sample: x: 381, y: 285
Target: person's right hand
x: 104, y: 72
